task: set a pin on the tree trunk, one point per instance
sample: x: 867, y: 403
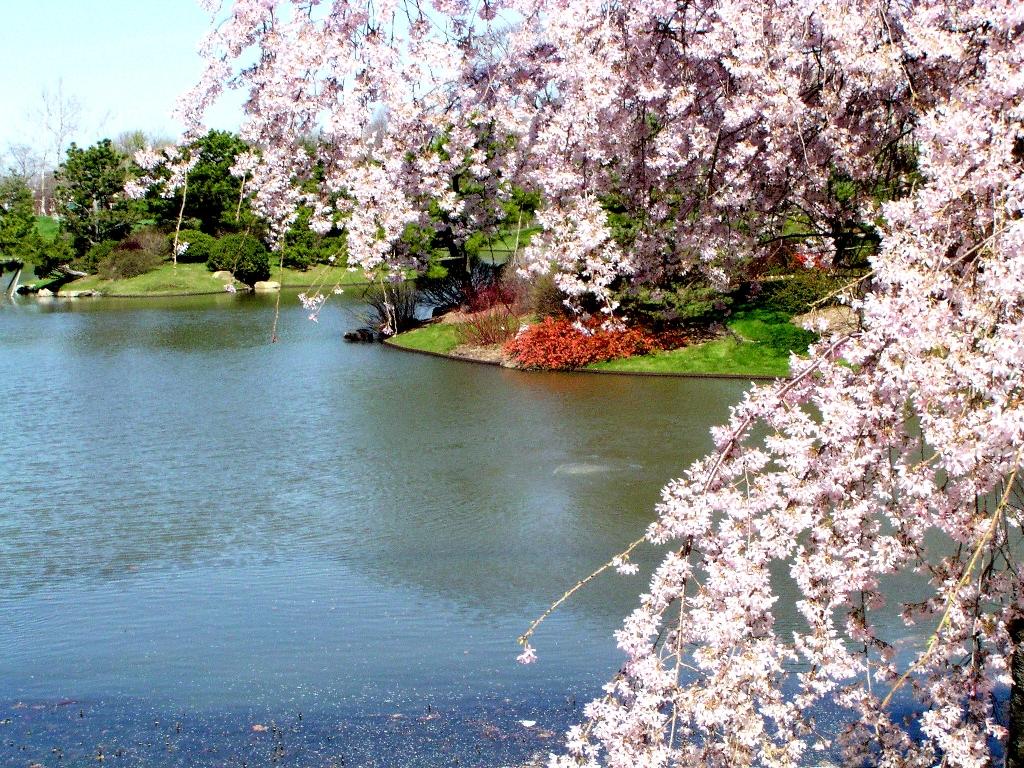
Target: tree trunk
x: 177, y: 227
x: 12, y: 286
x: 42, y: 191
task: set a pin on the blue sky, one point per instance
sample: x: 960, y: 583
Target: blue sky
x: 125, y: 61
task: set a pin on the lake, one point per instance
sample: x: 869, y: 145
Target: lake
x: 217, y: 550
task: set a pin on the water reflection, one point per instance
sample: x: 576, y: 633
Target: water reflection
x: 201, y: 517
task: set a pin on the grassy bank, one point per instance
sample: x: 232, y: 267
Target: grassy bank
x: 721, y: 356
x: 758, y: 342
x: 165, y: 280
x: 196, y: 278
x: 436, y: 337
x: 46, y: 227
x: 320, y: 276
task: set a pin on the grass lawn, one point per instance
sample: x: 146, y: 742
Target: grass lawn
x: 720, y: 356
x: 760, y: 347
x: 436, y: 337
x: 46, y: 227
x: 187, y: 278
x: 323, y: 277
x: 501, y: 248
x: 196, y: 278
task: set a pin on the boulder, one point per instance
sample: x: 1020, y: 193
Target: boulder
x: 223, y: 274
x: 44, y: 293
x: 364, y: 335
x: 266, y: 286
x: 74, y: 294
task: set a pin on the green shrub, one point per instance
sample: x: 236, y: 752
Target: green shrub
x: 299, y: 255
x: 309, y: 249
x: 97, y: 254
x: 49, y: 256
x: 245, y: 256
x: 141, y: 252
x: 121, y: 264
x: 673, y: 304
x: 544, y: 298
x: 797, y: 292
x: 200, y: 246
x: 790, y: 338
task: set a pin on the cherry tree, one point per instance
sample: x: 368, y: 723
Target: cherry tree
x: 892, y: 449
x: 165, y: 171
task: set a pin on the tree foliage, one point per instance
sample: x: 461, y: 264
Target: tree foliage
x: 242, y: 254
x: 214, y: 195
x: 18, y: 239
x: 91, y: 197
x: 669, y: 140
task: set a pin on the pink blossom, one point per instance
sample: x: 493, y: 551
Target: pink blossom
x: 711, y: 127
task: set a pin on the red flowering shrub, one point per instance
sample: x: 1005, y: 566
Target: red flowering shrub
x: 556, y: 344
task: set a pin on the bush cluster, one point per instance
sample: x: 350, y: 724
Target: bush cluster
x: 139, y: 253
x: 243, y: 255
x: 96, y: 255
x: 492, y: 326
x: 485, y: 298
x: 307, y: 249
x: 448, y: 289
x: 121, y: 264
x: 543, y: 297
x: 391, y: 307
x: 796, y: 293
x: 556, y: 344
x: 673, y: 304
x: 200, y: 246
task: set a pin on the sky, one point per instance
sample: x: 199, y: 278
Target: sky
x: 124, y: 61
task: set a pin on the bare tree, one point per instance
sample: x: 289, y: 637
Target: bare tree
x: 130, y: 142
x: 59, y: 116
x: 23, y: 161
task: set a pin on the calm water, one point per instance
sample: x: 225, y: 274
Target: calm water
x: 203, y: 532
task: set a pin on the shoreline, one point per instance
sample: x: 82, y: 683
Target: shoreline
x: 390, y: 342
x: 159, y: 295
x: 194, y: 279
x: 650, y: 374
x: 91, y: 293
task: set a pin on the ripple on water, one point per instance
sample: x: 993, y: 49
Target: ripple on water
x: 204, y: 528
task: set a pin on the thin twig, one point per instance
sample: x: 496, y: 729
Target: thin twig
x: 524, y: 638
x: 944, y: 621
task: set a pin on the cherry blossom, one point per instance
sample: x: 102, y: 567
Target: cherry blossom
x: 714, y: 124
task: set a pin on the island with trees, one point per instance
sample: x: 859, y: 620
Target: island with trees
x: 134, y: 220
